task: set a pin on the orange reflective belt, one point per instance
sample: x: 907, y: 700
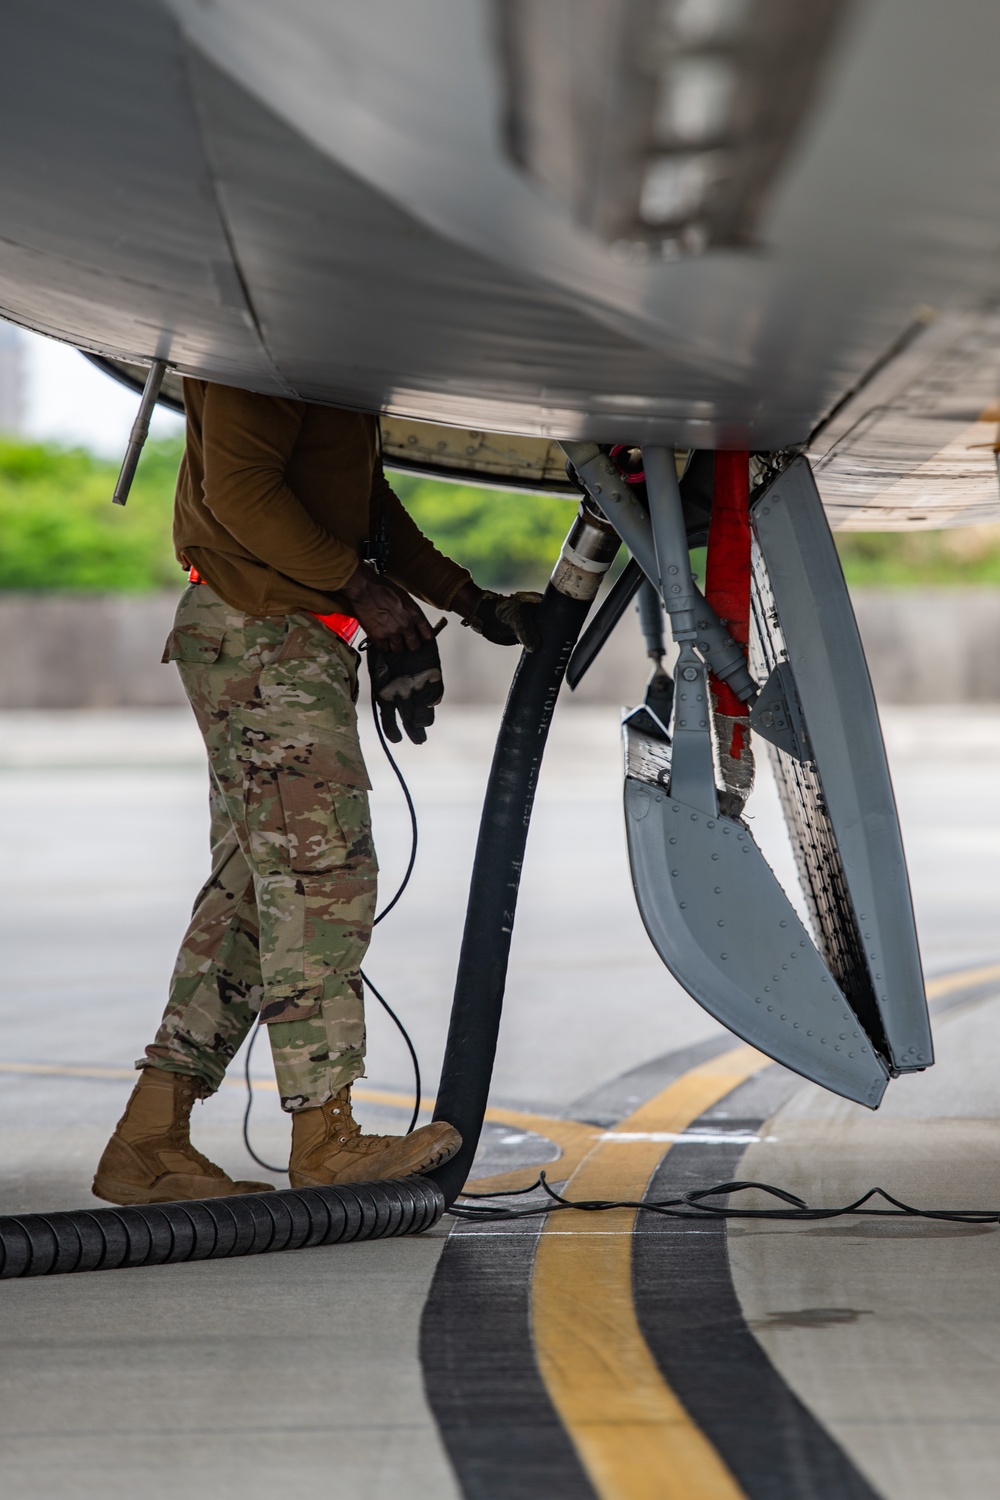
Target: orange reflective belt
x: 346, y: 626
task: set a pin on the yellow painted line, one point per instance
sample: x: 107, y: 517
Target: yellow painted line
x: 949, y: 983
x: 67, y: 1070
x: 633, y: 1436
x: 60, y: 1070
x: 574, y: 1139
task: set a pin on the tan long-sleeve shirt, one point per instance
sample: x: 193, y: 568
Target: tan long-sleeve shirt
x: 274, y: 498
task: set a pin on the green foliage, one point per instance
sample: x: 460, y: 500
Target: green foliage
x: 506, y: 538
x: 963, y: 555
x: 59, y: 530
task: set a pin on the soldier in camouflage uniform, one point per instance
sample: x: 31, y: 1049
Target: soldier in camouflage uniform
x: 281, y: 926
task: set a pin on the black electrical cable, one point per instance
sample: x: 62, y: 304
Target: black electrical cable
x: 410, y: 1047
x: 697, y: 1204
x: 414, y: 830
x: 414, y: 838
x: 268, y: 1166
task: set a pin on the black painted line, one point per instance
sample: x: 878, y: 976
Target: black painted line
x: 692, y: 1321
x: 498, y: 1425
x: 497, y: 1422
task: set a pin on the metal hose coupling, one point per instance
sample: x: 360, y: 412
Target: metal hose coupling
x: 587, y: 554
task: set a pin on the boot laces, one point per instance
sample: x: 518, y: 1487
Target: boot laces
x: 179, y: 1134
x: 346, y: 1129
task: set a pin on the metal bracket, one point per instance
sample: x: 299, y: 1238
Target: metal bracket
x: 692, y: 778
x: 140, y: 431
x: 777, y: 715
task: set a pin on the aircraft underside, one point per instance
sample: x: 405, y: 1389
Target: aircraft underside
x: 524, y: 233
x: 753, y: 226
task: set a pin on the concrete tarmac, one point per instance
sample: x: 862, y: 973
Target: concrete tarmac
x: 282, y: 1372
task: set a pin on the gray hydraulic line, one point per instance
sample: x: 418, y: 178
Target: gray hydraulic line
x: 587, y: 554
x: 614, y: 498
x: 650, y: 612
x: 681, y: 599
x: 692, y: 768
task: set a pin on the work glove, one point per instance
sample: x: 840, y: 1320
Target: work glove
x: 408, y: 683
x: 508, y: 619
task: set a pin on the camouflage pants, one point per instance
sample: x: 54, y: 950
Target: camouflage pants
x: 283, y: 922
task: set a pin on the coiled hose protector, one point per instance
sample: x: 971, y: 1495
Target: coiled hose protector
x: 496, y: 874
x: 106, y: 1239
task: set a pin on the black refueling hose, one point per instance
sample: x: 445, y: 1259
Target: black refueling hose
x: 587, y: 554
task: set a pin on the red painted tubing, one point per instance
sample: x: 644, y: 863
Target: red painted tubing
x: 727, y: 571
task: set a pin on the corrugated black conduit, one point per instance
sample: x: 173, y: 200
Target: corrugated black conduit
x: 107, y: 1239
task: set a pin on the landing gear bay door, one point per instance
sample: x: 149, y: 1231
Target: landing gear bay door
x: 842, y: 1004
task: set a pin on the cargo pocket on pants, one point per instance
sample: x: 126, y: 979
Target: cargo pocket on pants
x: 327, y: 825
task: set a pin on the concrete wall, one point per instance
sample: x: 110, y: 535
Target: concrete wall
x: 932, y: 645
x: 926, y: 646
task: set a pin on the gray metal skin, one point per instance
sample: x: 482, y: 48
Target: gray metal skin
x: 710, y: 903
x: 827, y: 663
x: 718, y: 918
x: 314, y: 199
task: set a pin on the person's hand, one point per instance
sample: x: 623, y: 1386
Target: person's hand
x: 508, y: 619
x: 408, y: 683
x: 386, y: 613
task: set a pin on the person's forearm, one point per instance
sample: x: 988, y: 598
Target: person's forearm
x: 414, y: 561
x: 465, y: 601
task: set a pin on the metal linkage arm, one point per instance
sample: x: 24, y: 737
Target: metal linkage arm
x: 673, y: 562
x: 616, y: 602
x: 140, y: 431
x: 612, y: 496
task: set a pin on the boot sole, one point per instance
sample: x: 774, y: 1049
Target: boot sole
x: 423, y: 1161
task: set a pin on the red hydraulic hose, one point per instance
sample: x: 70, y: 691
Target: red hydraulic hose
x: 727, y: 577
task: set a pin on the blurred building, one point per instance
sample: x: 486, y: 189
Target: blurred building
x: 13, y: 377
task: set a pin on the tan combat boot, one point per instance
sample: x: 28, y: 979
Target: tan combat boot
x: 328, y: 1147
x: 150, y: 1158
